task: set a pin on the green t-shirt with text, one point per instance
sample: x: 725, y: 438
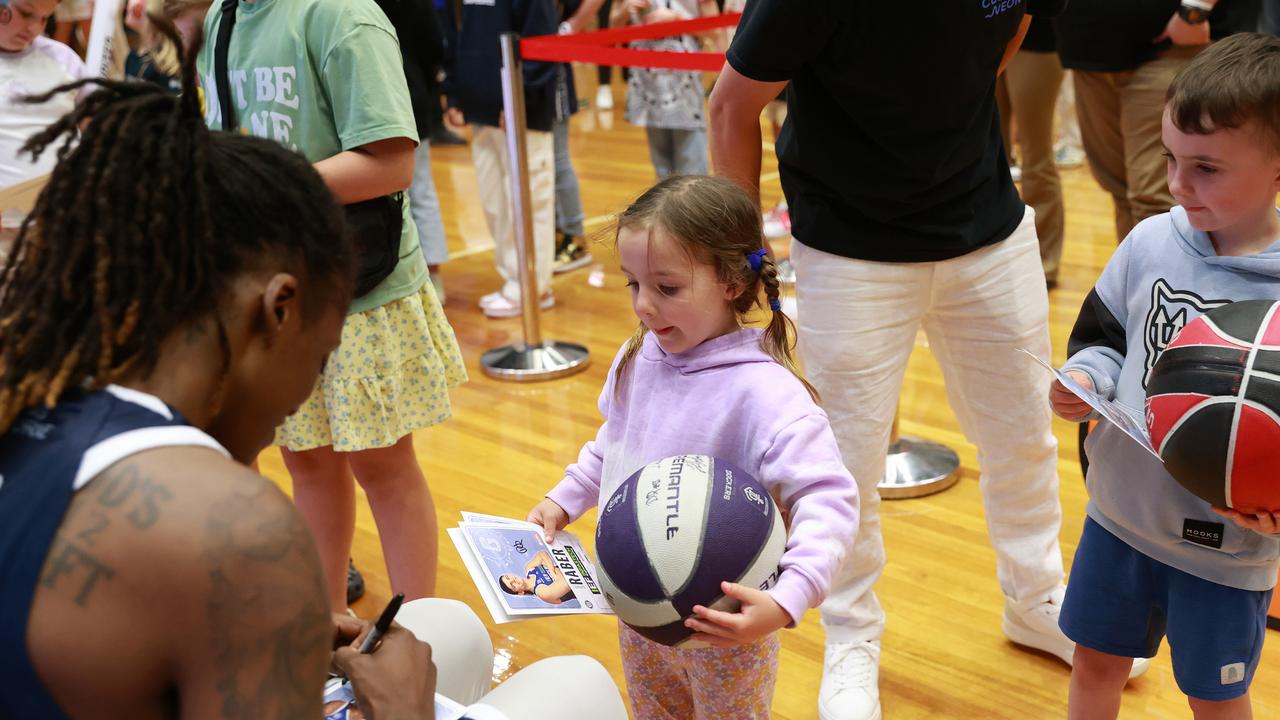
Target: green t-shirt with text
x: 319, y: 77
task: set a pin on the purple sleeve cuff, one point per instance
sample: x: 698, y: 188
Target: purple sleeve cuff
x: 794, y: 593
x: 575, y: 496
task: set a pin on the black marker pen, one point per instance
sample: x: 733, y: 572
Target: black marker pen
x: 383, y: 624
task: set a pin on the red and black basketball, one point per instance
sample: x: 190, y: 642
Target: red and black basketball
x: 1213, y: 406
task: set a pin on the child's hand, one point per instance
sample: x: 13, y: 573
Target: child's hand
x: 550, y: 516
x: 1067, y: 404
x: 454, y: 118
x: 1267, y: 523
x: 759, y: 616
x: 638, y: 7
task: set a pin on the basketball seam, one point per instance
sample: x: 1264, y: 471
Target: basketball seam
x: 1240, y: 397
x: 648, y: 558
x: 1232, y: 346
x: 1186, y: 415
x: 773, y: 522
x: 702, y: 536
x: 1266, y: 375
x: 1262, y: 409
x: 1238, y: 342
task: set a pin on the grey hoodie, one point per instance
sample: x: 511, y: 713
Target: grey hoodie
x: 1164, y: 275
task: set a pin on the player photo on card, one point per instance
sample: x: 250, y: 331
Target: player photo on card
x: 519, y: 562
x: 519, y: 574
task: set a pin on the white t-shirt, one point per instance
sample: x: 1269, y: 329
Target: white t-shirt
x: 46, y: 64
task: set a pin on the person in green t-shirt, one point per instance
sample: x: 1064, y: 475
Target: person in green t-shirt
x: 325, y: 78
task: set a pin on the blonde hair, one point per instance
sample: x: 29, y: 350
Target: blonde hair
x: 155, y: 45
x: 716, y: 223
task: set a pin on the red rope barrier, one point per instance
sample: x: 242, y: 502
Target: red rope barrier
x: 596, y: 47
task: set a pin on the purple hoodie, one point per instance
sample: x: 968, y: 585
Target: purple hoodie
x: 727, y: 398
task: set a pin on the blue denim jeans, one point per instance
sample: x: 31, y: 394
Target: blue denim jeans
x: 569, y: 214
x: 425, y: 208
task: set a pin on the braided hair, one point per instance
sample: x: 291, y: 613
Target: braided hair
x: 717, y: 223
x: 145, y: 221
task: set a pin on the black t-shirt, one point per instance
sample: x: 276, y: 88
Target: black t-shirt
x: 1040, y: 36
x: 422, y: 48
x: 1117, y: 35
x: 891, y: 150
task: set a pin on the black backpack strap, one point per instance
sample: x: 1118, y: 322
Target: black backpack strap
x: 225, y: 27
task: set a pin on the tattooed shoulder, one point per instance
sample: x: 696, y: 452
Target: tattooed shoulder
x: 246, y: 606
x: 124, y: 496
x: 266, y: 602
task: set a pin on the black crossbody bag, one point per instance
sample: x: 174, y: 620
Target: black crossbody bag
x: 375, y: 225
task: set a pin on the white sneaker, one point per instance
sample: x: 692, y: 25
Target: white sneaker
x: 850, y: 682
x: 1036, y: 627
x: 604, y: 98
x: 490, y: 299
x: 504, y: 308
x: 1068, y: 156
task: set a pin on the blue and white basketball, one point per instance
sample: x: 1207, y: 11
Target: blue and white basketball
x: 676, y: 529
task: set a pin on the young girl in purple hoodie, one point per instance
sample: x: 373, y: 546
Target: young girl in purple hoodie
x: 694, y: 380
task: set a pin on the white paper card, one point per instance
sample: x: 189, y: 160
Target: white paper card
x: 1130, y: 421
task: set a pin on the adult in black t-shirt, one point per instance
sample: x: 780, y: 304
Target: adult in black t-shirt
x: 1123, y: 55
x: 904, y: 214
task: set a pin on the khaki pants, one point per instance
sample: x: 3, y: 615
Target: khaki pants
x: 489, y: 154
x: 1031, y: 82
x: 1120, y: 116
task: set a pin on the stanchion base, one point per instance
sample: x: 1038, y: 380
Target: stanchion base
x: 915, y: 468
x: 523, y: 363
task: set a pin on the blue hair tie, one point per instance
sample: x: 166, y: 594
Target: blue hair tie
x: 775, y: 305
x: 756, y: 258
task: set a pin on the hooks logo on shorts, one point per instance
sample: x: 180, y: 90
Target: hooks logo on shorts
x: 1170, y: 311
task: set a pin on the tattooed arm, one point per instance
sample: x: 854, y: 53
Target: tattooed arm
x: 266, y: 612
x: 181, y: 584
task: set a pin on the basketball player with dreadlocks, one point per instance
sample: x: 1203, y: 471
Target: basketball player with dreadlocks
x: 170, y: 299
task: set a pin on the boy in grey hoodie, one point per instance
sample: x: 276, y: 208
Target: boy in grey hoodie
x: 1153, y: 558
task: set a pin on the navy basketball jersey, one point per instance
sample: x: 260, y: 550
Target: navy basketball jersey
x: 47, y: 456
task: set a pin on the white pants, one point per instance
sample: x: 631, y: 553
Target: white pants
x: 489, y: 154
x: 857, y: 325
x: 463, y: 656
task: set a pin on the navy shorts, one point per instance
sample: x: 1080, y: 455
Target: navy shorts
x: 1122, y: 602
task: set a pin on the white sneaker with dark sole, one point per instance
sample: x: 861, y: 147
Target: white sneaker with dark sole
x: 1036, y: 627
x: 850, y: 682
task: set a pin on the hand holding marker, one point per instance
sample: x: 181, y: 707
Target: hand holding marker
x: 383, y: 624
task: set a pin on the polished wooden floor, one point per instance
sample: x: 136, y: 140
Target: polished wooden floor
x: 944, y: 654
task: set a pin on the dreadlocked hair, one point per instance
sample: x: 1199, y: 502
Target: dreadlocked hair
x: 145, y: 221
x: 718, y: 224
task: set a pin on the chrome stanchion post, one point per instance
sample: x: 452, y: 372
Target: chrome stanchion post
x: 916, y: 467
x: 534, y: 359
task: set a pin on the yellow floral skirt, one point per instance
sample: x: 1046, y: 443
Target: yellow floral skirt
x: 390, y: 376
